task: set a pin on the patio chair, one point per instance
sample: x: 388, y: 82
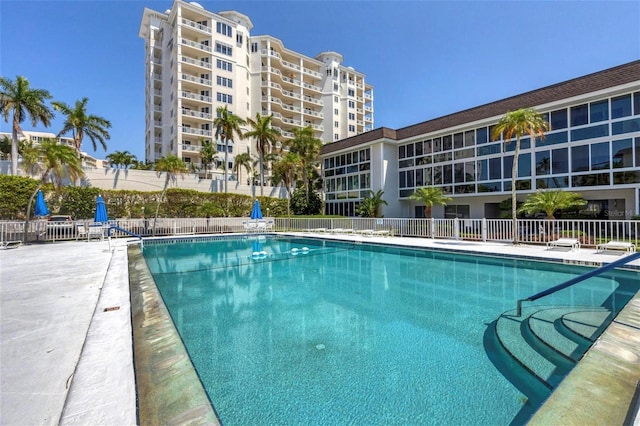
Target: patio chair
x: 81, y: 231
x: 95, y: 232
x: 10, y: 244
x: 572, y: 243
x: 616, y: 246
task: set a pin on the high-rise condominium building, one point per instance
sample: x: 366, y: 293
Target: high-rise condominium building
x: 197, y: 61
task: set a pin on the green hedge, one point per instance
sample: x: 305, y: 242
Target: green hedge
x: 79, y: 202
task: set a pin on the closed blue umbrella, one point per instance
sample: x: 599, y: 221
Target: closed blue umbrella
x: 256, y: 212
x: 41, y: 206
x: 100, y: 215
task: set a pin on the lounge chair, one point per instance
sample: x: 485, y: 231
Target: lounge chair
x: 81, y: 231
x: 95, y: 231
x: 616, y: 245
x: 249, y: 226
x: 10, y: 244
x: 572, y: 243
x: 261, y: 226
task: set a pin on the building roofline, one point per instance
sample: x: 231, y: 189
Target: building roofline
x: 599, y: 80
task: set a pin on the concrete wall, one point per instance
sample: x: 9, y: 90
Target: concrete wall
x: 147, y: 180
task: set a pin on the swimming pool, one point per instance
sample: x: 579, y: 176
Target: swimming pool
x: 346, y: 333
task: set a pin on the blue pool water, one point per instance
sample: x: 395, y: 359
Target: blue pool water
x: 352, y: 334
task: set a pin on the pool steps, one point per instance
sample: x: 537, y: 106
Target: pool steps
x: 548, y: 341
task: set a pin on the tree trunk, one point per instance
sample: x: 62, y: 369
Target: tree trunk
x: 261, y: 177
x: 155, y: 218
x: 14, y: 146
x: 514, y: 202
x: 226, y: 162
x: 26, y: 221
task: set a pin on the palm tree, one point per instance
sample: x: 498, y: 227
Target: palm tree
x: 525, y: 121
x: 207, y: 154
x: 430, y: 196
x: 551, y: 201
x: 308, y: 149
x: 79, y: 123
x: 371, y: 203
x: 141, y: 165
x: 121, y: 158
x: 285, y: 170
x: 245, y: 161
x: 226, y: 124
x: 266, y: 137
x: 23, y: 102
x: 50, y: 160
x: 172, y: 166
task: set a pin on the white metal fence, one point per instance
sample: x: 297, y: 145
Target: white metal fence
x: 530, y: 231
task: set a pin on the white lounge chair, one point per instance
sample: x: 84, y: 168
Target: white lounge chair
x: 616, y: 245
x: 81, y: 231
x: 572, y: 243
x: 95, y: 231
x: 10, y: 244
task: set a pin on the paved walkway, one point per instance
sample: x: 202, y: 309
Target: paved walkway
x: 66, y: 354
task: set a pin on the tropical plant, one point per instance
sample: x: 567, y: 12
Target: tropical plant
x: 55, y: 161
x: 5, y: 147
x: 141, y: 165
x: 551, y: 201
x: 285, y: 171
x: 79, y: 123
x: 308, y: 149
x: 266, y: 137
x: 304, y: 203
x: 430, y: 196
x: 227, y: 124
x: 172, y: 166
x: 525, y: 121
x: 370, y: 204
x: 245, y: 161
x: 121, y: 159
x: 19, y: 99
x: 207, y: 154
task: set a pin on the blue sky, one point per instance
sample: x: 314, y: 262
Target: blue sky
x: 425, y: 59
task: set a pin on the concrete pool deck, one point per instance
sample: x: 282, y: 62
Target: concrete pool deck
x: 67, y: 357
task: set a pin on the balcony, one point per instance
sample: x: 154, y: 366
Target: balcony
x: 201, y: 98
x: 194, y: 131
x: 196, y: 114
x: 195, y: 25
x: 195, y: 45
x: 198, y: 80
x: 191, y: 148
x: 196, y: 62
x: 313, y: 100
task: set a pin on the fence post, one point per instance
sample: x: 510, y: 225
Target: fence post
x: 483, y: 229
x: 456, y: 228
x: 432, y: 227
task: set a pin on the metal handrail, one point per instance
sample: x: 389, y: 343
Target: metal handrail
x: 577, y: 279
x: 117, y: 228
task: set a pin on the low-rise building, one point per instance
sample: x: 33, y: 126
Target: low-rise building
x: 593, y: 148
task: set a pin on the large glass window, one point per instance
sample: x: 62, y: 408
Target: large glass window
x: 482, y: 169
x: 553, y: 138
x: 447, y: 173
x: 600, y: 156
x: 543, y: 163
x: 560, y: 161
x: 418, y: 149
x: 558, y: 119
x: 598, y: 179
x: 579, y: 115
x: 446, y: 143
x: 469, y: 137
x: 636, y: 103
x: 507, y: 164
x: 524, y: 165
x: 621, y: 106
x: 597, y: 131
x: 495, y: 168
x: 637, y: 150
x: 437, y: 175
x: 622, y: 153
x: 481, y: 135
x: 580, y: 158
x: 599, y: 111
x: 458, y: 140
x: 626, y: 126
